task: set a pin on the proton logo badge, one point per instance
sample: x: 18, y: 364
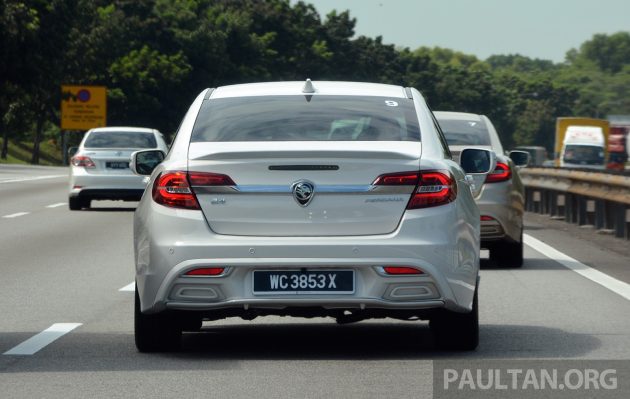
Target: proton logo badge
x: 303, y: 192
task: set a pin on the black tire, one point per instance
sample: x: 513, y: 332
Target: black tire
x: 75, y: 203
x: 155, y: 332
x: 508, y: 254
x: 457, y: 331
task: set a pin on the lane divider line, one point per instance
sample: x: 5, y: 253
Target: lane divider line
x: 31, y: 178
x: 41, y: 340
x: 58, y: 204
x: 131, y: 287
x: 617, y: 286
x: 15, y: 215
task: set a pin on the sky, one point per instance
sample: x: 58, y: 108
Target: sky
x: 544, y: 29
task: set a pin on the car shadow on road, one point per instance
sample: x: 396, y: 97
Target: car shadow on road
x: 227, y: 345
x: 376, y: 341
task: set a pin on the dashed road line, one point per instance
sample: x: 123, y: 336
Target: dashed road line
x: 15, y: 215
x: 41, y: 340
x: 58, y: 204
x: 21, y: 179
x: 617, y: 286
x: 131, y: 287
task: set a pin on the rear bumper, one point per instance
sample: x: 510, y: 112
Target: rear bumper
x: 110, y: 194
x: 168, y: 242
x: 505, y: 205
x: 93, y: 185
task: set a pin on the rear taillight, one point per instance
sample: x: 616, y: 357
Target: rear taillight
x: 397, y: 179
x: 84, y: 161
x: 173, y: 189
x: 433, y: 188
x: 401, y: 270
x: 485, y: 218
x: 209, y: 179
x: 500, y: 173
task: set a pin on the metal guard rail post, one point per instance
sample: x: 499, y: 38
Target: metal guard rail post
x: 593, y: 198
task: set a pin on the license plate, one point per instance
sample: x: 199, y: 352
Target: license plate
x: 117, y: 165
x: 304, y: 282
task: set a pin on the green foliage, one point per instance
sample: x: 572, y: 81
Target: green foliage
x: 155, y: 56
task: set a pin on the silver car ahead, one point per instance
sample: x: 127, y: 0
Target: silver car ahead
x: 316, y: 199
x: 502, y: 198
x: 99, y: 170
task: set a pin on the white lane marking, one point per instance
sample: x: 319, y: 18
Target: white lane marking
x: 15, y: 215
x: 21, y: 179
x: 58, y: 204
x: 46, y: 337
x: 131, y: 287
x: 616, y: 286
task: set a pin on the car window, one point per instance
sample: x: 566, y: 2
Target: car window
x: 443, y: 142
x: 120, y: 140
x: 465, y: 132
x: 307, y: 118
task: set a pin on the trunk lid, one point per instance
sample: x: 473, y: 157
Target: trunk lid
x: 115, y: 161
x: 265, y: 200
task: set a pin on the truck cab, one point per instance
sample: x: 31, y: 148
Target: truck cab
x: 583, y: 147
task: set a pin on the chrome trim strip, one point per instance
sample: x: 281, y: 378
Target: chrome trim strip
x: 324, y: 189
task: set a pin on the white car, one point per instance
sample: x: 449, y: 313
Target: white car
x: 99, y: 170
x: 316, y: 199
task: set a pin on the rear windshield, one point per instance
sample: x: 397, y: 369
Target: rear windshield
x: 120, y: 140
x: 462, y: 132
x: 307, y: 118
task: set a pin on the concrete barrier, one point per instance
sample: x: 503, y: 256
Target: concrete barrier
x: 588, y: 198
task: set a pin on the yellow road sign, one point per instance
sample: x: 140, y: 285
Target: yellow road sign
x: 83, y: 107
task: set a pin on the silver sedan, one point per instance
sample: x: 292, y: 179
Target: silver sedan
x: 307, y: 199
x: 501, y: 199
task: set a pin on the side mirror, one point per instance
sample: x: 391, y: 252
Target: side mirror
x: 143, y: 162
x: 477, y: 163
x: 477, y: 160
x: 520, y: 158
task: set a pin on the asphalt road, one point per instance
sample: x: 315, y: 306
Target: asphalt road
x: 59, y: 266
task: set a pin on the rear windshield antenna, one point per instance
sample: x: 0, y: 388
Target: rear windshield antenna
x: 308, y: 87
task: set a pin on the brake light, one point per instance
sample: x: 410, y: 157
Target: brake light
x: 172, y: 189
x: 84, y: 161
x: 485, y: 218
x: 205, y: 271
x: 209, y: 179
x: 397, y: 179
x: 500, y: 173
x: 433, y: 188
x: 400, y: 270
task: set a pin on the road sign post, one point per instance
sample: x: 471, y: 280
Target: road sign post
x: 82, y: 108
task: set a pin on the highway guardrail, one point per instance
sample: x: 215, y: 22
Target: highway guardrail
x: 585, y: 197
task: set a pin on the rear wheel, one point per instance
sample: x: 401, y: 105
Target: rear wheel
x: 155, y: 332
x: 76, y: 203
x: 457, y: 331
x: 508, y: 254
